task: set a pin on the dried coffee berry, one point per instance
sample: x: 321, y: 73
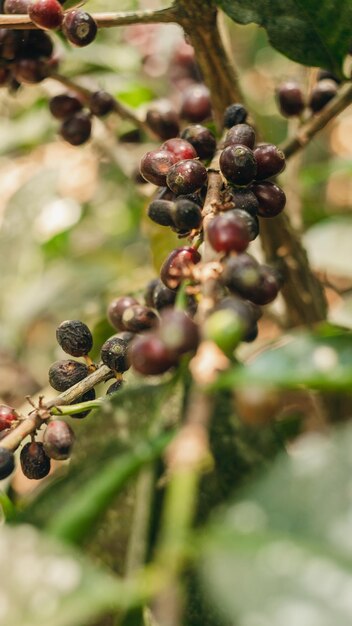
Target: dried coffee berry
x: 35, y: 463
x: 113, y: 354
x: 58, y: 440
x: 66, y: 373
x: 7, y: 463
x: 116, y: 386
x: 74, y: 337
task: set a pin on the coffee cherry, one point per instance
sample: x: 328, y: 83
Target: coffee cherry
x: 268, y: 288
x: 163, y: 297
x: 290, y: 99
x: 160, y: 212
x: 137, y: 318
x: 244, y: 199
x: 180, y: 148
x: 186, y: 215
x: 85, y: 397
x: 113, y: 354
x: 64, y: 374
x: 8, y: 416
x: 271, y: 198
x: 247, y: 313
x: 79, y: 27
x: 178, y: 265
x: 225, y: 328
x: 149, y: 355
x: 186, y: 177
x: 101, y: 103
x: 116, y: 386
x: 270, y: 160
x: 155, y: 165
x: 74, y: 337
x: 251, y: 222
x: 7, y: 463
x: 235, y: 114
x: 16, y: 7
x: 241, y: 274
x: 58, y: 440
x: 149, y: 291
x: 178, y: 332
x: 322, y: 74
x: 196, y: 103
x: 46, y: 14
x: 5, y: 76
x: 34, y: 461
x: 64, y: 106
x: 241, y: 134
x: 30, y: 71
x: 163, y: 119
x: 116, y: 309
x: 324, y: 91
x: 238, y: 164
x: 77, y: 129
x: 37, y: 44
x: 202, y: 140
x: 228, y: 232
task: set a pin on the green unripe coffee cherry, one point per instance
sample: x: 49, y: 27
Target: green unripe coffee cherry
x: 225, y: 328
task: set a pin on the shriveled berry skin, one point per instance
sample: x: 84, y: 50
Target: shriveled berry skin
x: 64, y: 106
x: 7, y: 463
x: 113, y: 354
x: 271, y: 198
x: 58, y: 440
x: 46, y: 14
x: 116, y: 309
x: 77, y: 129
x: 116, y: 386
x: 324, y: 91
x: 74, y: 337
x: 163, y: 119
x: 85, y: 397
x: 241, y: 134
x: 138, y: 318
x: 79, y: 27
x: 66, y: 373
x: 178, y: 331
x: 243, y: 199
x: 235, y: 114
x: 290, y: 99
x: 155, y: 165
x: 178, y: 265
x: 180, y: 148
x: 186, y: 215
x: 196, y: 103
x: 238, y: 164
x: 159, y: 212
x: 8, y: 416
x: 270, y: 161
x: 228, y: 232
x: 186, y: 177
x: 101, y: 103
x: 149, y: 355
x: 35, y: 463
x: 202, y: 140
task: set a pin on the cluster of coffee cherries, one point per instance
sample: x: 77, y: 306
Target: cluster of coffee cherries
x: 292, y: 101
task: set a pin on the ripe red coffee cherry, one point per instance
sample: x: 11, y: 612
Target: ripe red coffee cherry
x: 64, y: 106
x: 16, y: 7
x: 46, y: 14
x: 241, y: 134
x: 77, y: 129
x: 35, y: 463
x: 155, y: 165
x: 101, y: 103
x: 179, y: 333
x: 178, y: 266
x: 74, y: 337
x: 229, y: 232
x: 58, y: 440
x: 202, y: 140
x: 137, y: 318
x: 196, y: 103
x: 290, y: 99
x: 186, y: 177
x: 270, y: 161
x: 271, y: 198
x: 8, y: 416
x: 79, y: 27
x: 180, y: 148
x: 238, y: 164
x: 324, y: 91
x: 116, y: 309
x: 268, y: 287
x: 162, y: 118
x: 149, y: 355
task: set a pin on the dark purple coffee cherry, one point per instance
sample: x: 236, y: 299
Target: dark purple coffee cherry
x: 16, y: 7
x: 241, y: 134
x: 268, y: 288
x: 271, y: 198
x: 64, y: 106
x: 37, y: 44
x: 47, y: 14
x: 30, y: 71
x: 323, y: 74
x: 270, y: 160
x: 34, y: 461
x: 202, y: 140
x: 178, y: 265
x: 137, y: 318
x: 114, y: 354
x: 324, y: 91
x: 290, y: 98
x: 251, y: 222
x: 77, y: 129
x: 101, y: 103
x: 7, y: 463
x: 116, y: 310
x: 79, y: 27
x: 64, y: 374
x: 58, y: 440
x: 85, y: 397
x: 238, y: 164
x: 246, y: 312
x: 163, y: 297
x: 155, y: 166
x: 241, y: 274
x: 186, y: 177
x: 235, y: 114
x: 229, y: 232
x: 149, y: 291
x: 149, y: 355
x: 116, y: 386
x: 8, y: 416
x: 243, y: 199
x: 163, y: 119
x: 160, y: 211
x: 74, y: 337
x: 196, y: 103
x: 178, y: 331
x: 186, y: 215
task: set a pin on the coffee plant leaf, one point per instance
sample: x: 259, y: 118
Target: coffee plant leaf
x: 282, y: 554
x: 314, y: 33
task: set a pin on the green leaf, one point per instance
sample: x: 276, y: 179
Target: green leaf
x: 283, y: 554
x: 317, y: 361
x: 44, y: 582
x: 313, y: 32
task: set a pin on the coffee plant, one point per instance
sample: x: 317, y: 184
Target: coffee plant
x: 190, y: 428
